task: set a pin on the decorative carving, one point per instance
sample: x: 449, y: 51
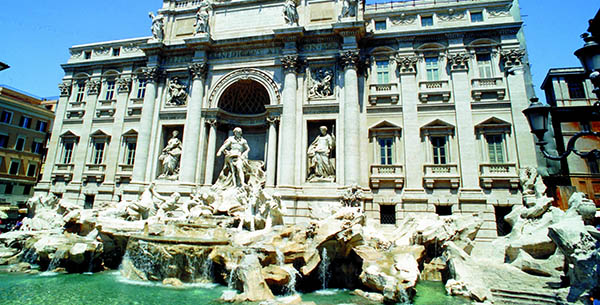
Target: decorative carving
x: 170, y: 157
x: 321, y: 83
x: 158, y: 24
x: 93, y: 87
x: 102, y: 51
x: 233, y: 53
x: 198, y: 70
x: 458, y: 61
x: 123, y: 85
x: 177, y: 94
x: 76, y: 54
x: 211, y: 122
x: 407, y: 64
x: 513, y: 58
x: 290, y: 14
x: 150, y: 73
x: 501, y: 11
x: 202, y: 18
x: 290, y: 63
x: 65, y: 89
x: 321, y: 167
x: 348, y: 9
x: 246, y: 73
x: 349, y: 59
x: 273, y: 120
x: 130, y: 48
x: 403, y: 19
x: 452, y: 15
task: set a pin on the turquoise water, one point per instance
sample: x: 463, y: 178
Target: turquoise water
x: 111, y: 288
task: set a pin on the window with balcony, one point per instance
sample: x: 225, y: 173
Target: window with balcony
x: 426, y: 21
x: 98, y: 146
x: 484, y: 63
x: 130, y: 146
x: 3, y: 140
x: 495, y: 148
x: 493, y: 135
x: 110, y: 90
x: 80, y: 92
x: 20, y: 144
x: 15, y: 165
x: 438, y: 137
x: 41, y: 126
x: 67, y: 151
x: 476, y: 17
x: 383, y: 71
x: 36, y: 147
x: 439, y: 145
x: 380, y: 25
x: 6, y: 117
x: 25, y: 122
x: 576, y: 89
x: 141, y: 88
x: 386, y: 150
x: 432, y: 68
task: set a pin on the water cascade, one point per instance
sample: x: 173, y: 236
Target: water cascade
x: 55, y: 262
x: 324, y: 268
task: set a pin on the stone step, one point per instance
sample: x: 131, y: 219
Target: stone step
x: 504, y: 296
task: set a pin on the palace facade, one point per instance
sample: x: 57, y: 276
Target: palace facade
x: 421, y: 101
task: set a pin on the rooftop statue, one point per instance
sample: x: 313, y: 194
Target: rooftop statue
x: 158, y: 26
x: 349, y: 9
x: 202, y: 17
x: 290, y: 14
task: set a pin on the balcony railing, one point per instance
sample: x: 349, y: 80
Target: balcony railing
x: 441, y: 173
x: 393, y: 173
x: 94, y: 172
x: 377, y: 91
x: 63, y: 171
x: 493, y: 85
x: 498, y: 173
x: 124, y: 173
x: 429, y: 89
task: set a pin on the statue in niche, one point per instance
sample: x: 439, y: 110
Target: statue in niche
x: 202, y: 16
x: 321, y: 84
x: 290, y: 14
x: 349, y: 8
x: 321, y: 167
x: 236, y: 166
x: 170, y: 157
x: 158, y: 26
x: 177, y: 93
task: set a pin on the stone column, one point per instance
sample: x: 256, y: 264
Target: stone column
x: 349, y: 59
x: 191, y: 134
x: 288, y: 122
x: 413, y: 162
x: 145, y: 131
x: 54, y: 147
x: 211, y: 151
x: 469, y: 170
x: 80, y: 155
x: 113, y: 158
x: 272, y: 151
x: 517, y: 93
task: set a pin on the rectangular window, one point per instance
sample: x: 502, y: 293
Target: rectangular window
x: 380, y: 25
x: 383, y: 71
x: 20, y: 145
x: 141, y: 91
x: 36, y: 147
x: 14, y: 167
x: 484, y: 62
x: 386, y: 150
x: 25, y: 122
x: 116, y: 51
x: 88, y: 202
x: 32, y: 170
x: 8, y: 189
x: 576, y: 89
x: 87, y: 54
x: 426, y: 21
x: 439, y: 150
x: 476, y: 17
x: 41, y: 126
x: 80, y: 92
x: 6, y: 117
x: 27, y: 189
x: 98, y: 152
x: 432, y: 68
x: 495, y: 148
x: 110, y: 90
x: 3, y: 140
x: 130, y: 151
x: 67, y: 152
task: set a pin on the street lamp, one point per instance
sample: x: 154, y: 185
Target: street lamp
x: 537, y: 113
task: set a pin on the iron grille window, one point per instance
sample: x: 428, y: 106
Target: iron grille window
x: 387, y: 214
x: 576, y: 89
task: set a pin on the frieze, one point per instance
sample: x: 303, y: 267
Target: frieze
x: 384, y: 109
x: 102, y: 51
x: 130, y: 48
x: 180, y: 115
x: 321, y: 108
x: 452, y: 15
x: 502, y: 11
x: 173, y: 60
x: 243, y: 53
x: 319, y: 46
x: 403, y: 19
x: 76, y: 54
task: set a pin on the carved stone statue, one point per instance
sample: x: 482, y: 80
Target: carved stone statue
x: 236, y: 151
x: 290, y: 14
x: 170, y: 158
x: 321, y: 167
x: 321, y: 84
x: 177, y: 93
x: 158, y: 26
x: 201, y: 25
x: 349, y: 8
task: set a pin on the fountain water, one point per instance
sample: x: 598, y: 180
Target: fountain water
x: 55, y: 262
x: 207, y: 269
x: 324, y: 268
x: 290, y: 287
x: 230, y: 279
x: 30, y: 256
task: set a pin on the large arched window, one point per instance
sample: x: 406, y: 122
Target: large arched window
x: 244, y: 97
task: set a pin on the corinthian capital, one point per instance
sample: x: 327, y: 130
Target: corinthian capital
x: 406, y: 64
x: 151, y: 73
x: 513, y: 57
x: 65, y: 89
x: 349, y: 59
x: 93, y: 87
x: 290, y: 63
x: 198, y: 70
x: 458, y: 61
x: 123, y: 85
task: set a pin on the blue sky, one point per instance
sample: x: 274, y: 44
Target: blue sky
x: 36, y: 37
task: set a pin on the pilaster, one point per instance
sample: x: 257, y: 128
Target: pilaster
x: 113, y: 158
x: 211, y: 151
x: 80, y: 157
x: 287, y: 162
x: 349, y: 61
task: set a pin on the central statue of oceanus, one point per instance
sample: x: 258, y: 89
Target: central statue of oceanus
x: 238, y: 171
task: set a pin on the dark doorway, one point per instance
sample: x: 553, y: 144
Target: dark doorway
x: 443, y: 210
x: 501, y: 225
x: 89, y: 201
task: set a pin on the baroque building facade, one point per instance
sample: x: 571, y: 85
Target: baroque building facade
x: 416, y: 103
